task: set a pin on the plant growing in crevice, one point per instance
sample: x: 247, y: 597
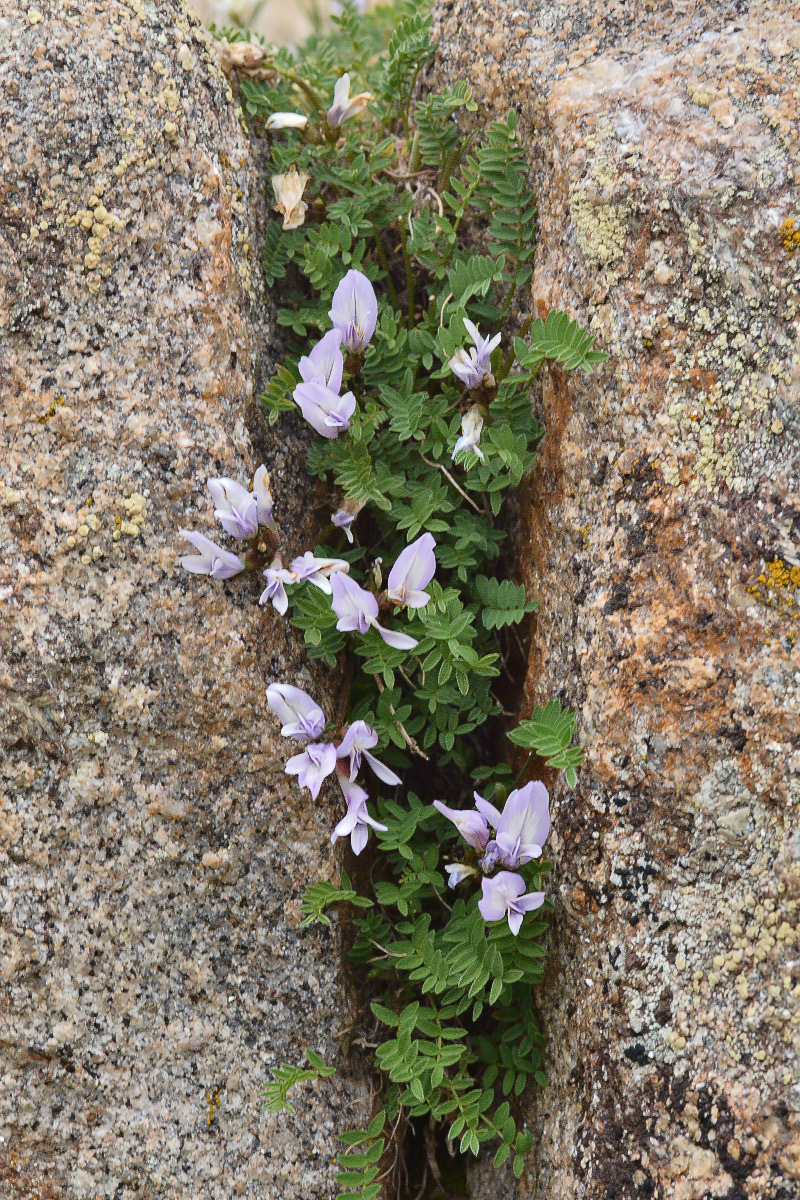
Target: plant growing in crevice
x: 405, y: 246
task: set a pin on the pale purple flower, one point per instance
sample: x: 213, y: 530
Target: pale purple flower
x: 313, y: 766
x: 263, y: 497
x: 357, y: 818
x: 412, y: 572
x: 236, y: 511
x: 324, y: 409
x: 325, y: 363
x: 471, y: 426
x: 359, y: 740
x: 277, y: 577
x: 212, y: 559
x: 470, y: 824
x: 357, y: 610
x: 301, y: 718
x: 521, y: 828
x: 354, y: 310
x: 343, y: 520
x: 457, y: 873
x: 286, y: 120
x: 344, y: 105
x: 503, y: 894
x: 473, y: 365
x: 359, y: 5
x: 317, y: 570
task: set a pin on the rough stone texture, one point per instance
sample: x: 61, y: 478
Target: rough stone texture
x: 152, y: 853
x: 664, y: 524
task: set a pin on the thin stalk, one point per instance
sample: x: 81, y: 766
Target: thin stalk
x: 411, y: 321
x: 301, y: 83
x: 384, y: 261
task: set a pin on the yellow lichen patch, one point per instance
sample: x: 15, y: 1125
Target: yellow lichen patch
x: 45, y: 417
x: 777, y: 588
x: 136, y: 508
x: 790, y: 236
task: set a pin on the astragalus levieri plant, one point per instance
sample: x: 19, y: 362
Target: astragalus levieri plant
x: 401, y: 258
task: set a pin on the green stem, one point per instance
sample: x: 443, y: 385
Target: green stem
x: 301, y: 83
x: 508, y: 361
x: 384, y: 261
x: 411, y: 320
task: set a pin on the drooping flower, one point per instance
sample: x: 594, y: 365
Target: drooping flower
x: 354, y: 310
x: 325, y: 363
x: 474, y: 365
x: 318, y: 570
x: 212, y: 559
x: 287, y: 120
x: 471, y: 426
x: 503, y: 894
x: 263, y: 498
x: 470, y: 824
x: 343, y: 520
x: 288, y: 191
x: 359, y: 740
x: 277, y: 577
x: 324, y: 409
x: 313, y: 766
x: 457, y: 873
x: 412, y: 572
x: 357, y: 610
x: 357, y: 818
x: 344, y: 105
x: 301, y: 718
x: 521, y: 828
x: 236, y: 508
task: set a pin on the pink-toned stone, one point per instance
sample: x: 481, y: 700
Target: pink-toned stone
x: 663, y: 143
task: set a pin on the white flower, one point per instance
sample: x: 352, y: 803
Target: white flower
x: 471, y: 426
x: 287, y: 120
x: 344, y: 105
x: 288, y: 191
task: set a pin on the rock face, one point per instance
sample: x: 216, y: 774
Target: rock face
x: 661, y: 535
x: 152, y: 853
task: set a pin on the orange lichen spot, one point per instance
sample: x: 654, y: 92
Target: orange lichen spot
x: 790, y: 236
x: 45, y: 417
x: 777, y: 587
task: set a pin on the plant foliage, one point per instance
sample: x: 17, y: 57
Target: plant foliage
x: 436, y: 210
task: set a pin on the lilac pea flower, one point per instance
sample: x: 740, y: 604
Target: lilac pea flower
x: 317, y: 570
x: 457, y: 873
x: 325, y: 363
x: 521, y: 828
x: 313, y: 766
x: 263, y: 498
x: 301, y: 718
x: 471, y: 426
x: 357, y: 610
x: 473, y: 366
x: 357, y: 818
x: 503, y: 894
x: 277, y: 577
x: 212, y: 559
x: 344, y: 105
x: 412, y: 572
x: 236, y: 508
x: 469, y: 823
x: 358, y: 741
x: 354, y: 311
x: 324, y: 409
x: 343, y: 520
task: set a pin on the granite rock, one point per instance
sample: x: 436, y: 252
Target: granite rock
x: 152, y: 852
x: 661, y: 532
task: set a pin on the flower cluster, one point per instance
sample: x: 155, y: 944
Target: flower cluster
x: 520, y: 832
x: 302, y: 719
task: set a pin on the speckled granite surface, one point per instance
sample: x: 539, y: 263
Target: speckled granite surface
x: 663, y: 538
x: 152, y: 853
